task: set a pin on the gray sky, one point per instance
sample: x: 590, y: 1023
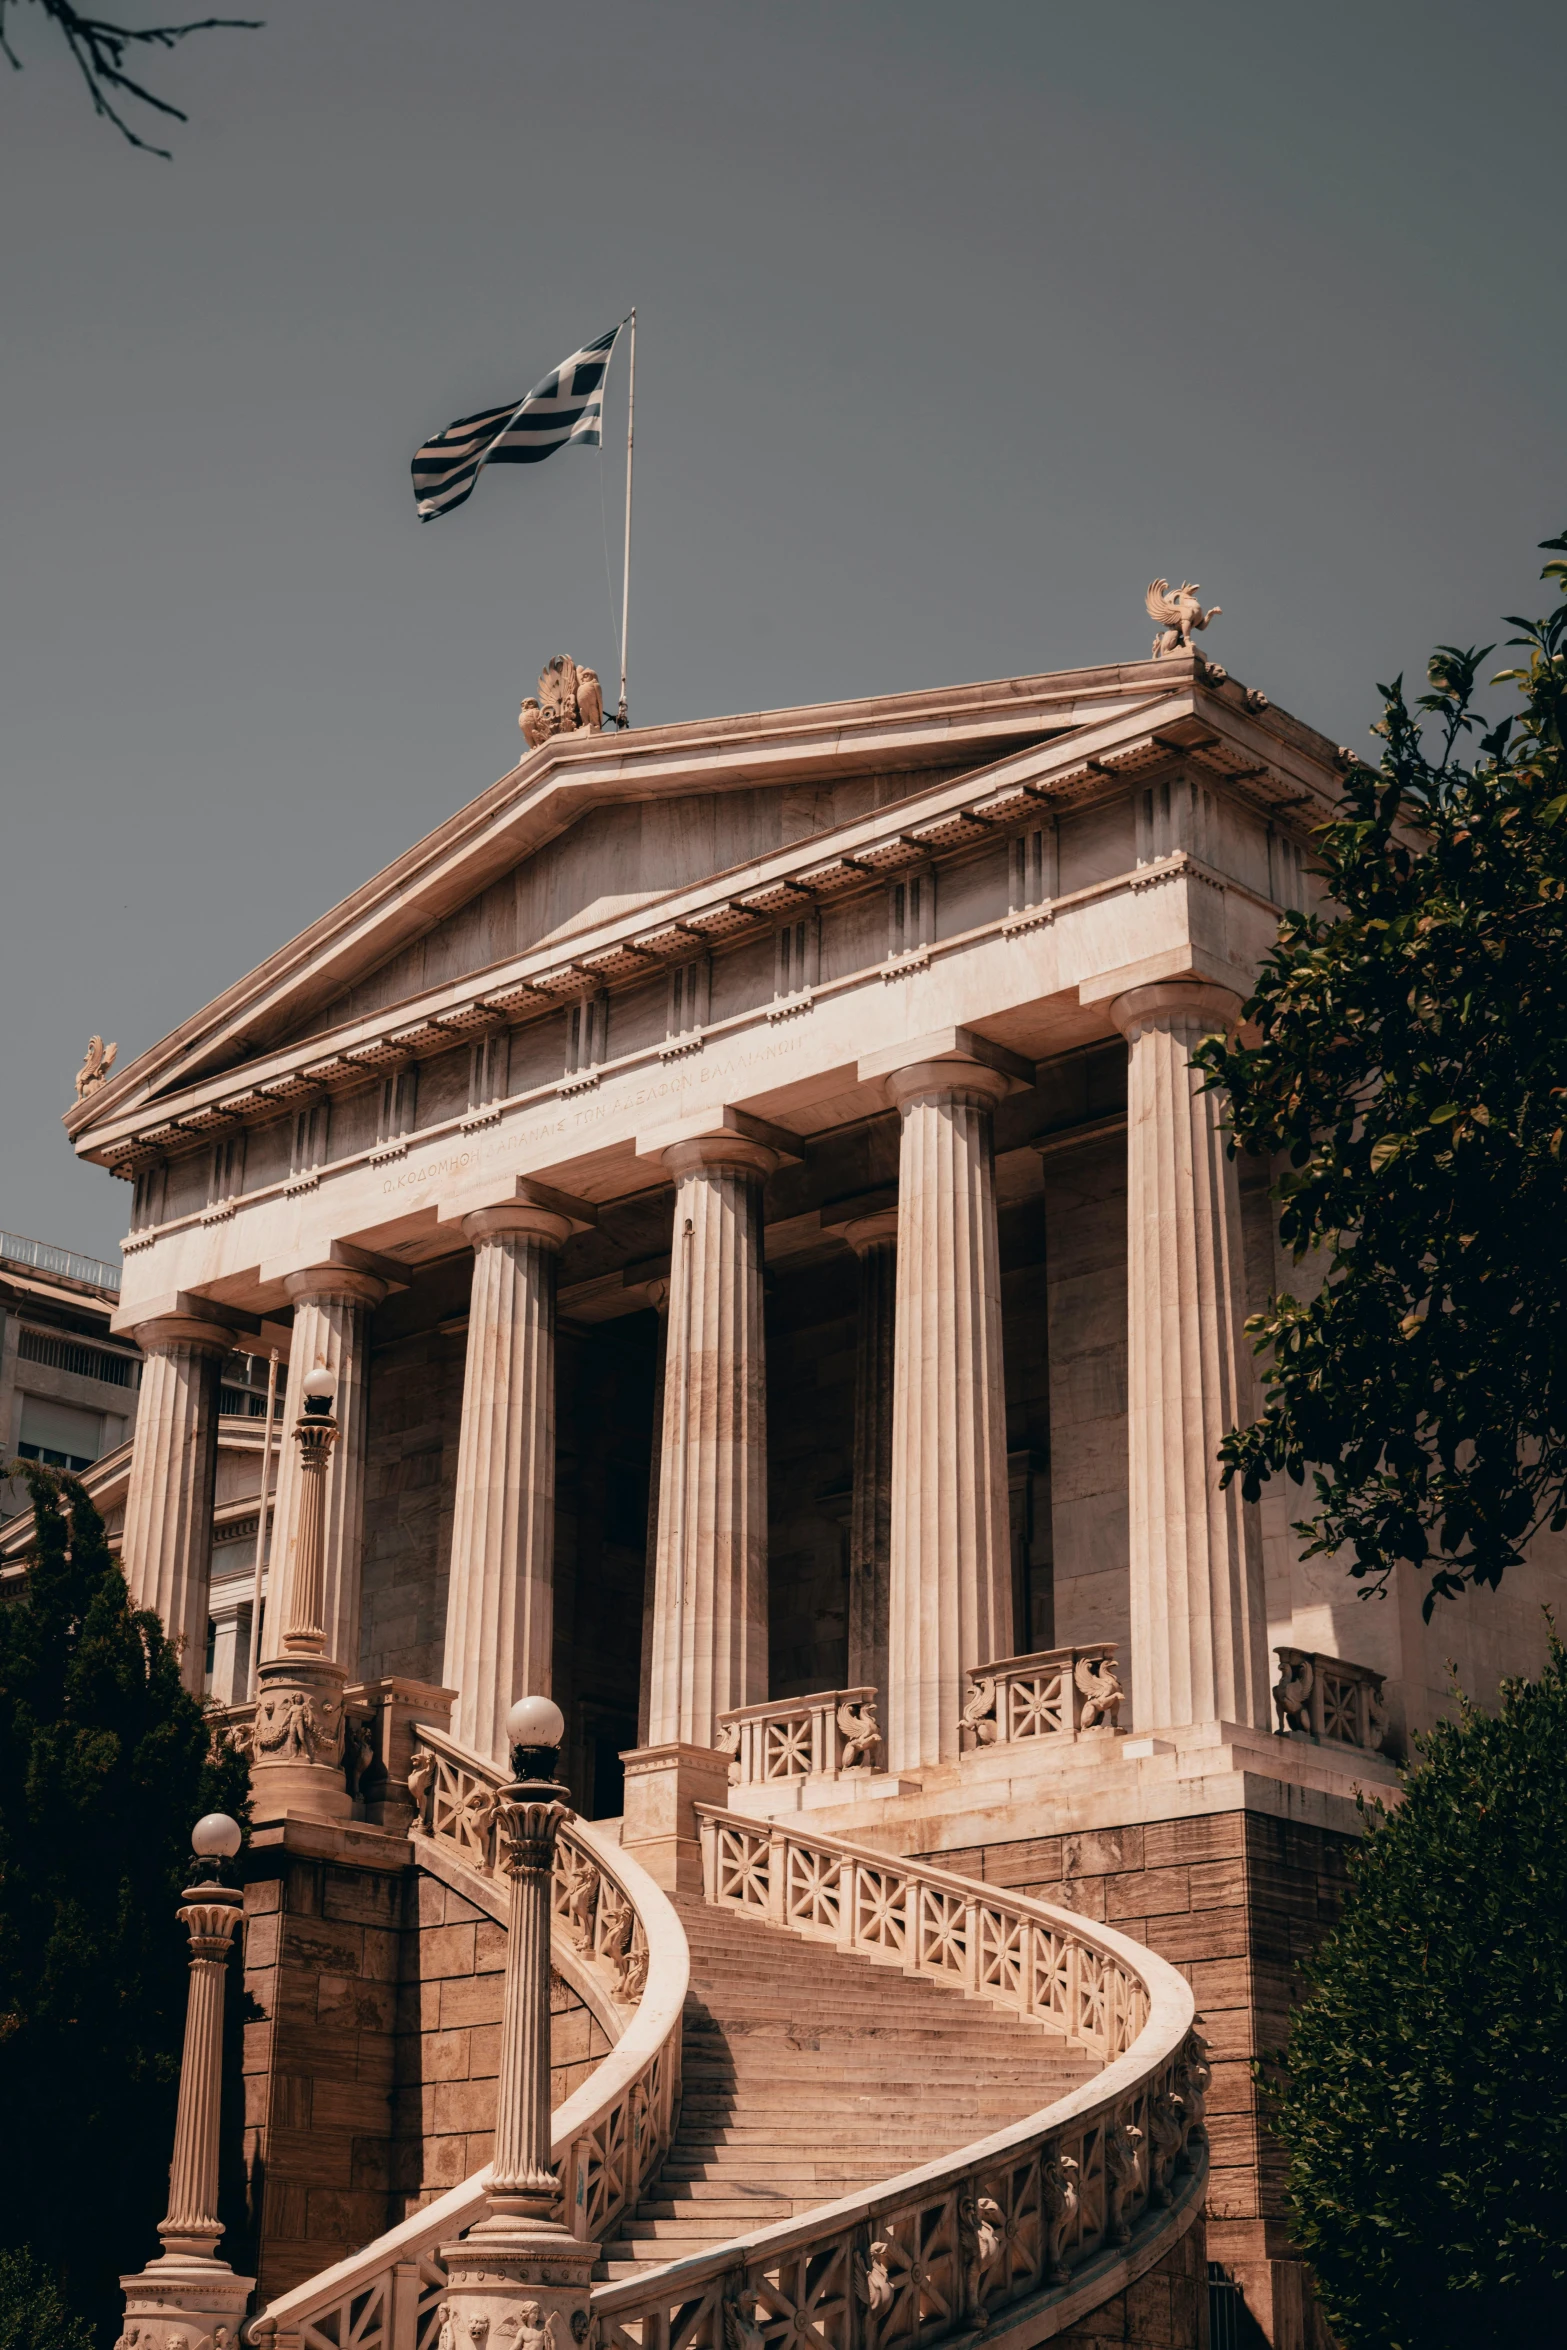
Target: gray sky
x: 957, y: 325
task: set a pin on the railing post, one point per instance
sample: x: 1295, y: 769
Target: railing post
x: 188, y: 2286
x: 708, y: 1831
x: 848, y: 1902
x: 777, y: 1876
x: 520, y: 2257
x: 403, y: 2315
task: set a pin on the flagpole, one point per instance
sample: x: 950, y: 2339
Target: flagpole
x: 621, y: 718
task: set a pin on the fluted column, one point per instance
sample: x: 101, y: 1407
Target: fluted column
x: 874, y: 1240
x: 500, y: 1608
x: 950, y: 1577
x: 1198, y: 1618
x: 710, y: 1608
x: 332, y: 1305
x: 658, y: 1299
x: 192, y: 2225
x: 521, y: 2264
x: 188, y: 2287
x: 167, y: 1544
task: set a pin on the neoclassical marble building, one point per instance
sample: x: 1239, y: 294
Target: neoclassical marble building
x: 745, y: 1181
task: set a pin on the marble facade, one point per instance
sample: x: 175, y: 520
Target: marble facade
x: 746, y: 1181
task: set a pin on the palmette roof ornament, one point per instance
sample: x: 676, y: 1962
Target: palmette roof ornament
x: 569, y: 701
x: 94, y: 1071
x: 1178, y: 614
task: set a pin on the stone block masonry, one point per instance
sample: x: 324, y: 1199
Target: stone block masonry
x: 448, y: 2043
x: 371, y: 2041
x: 1237, y: 1900
x: 1165, y: 2310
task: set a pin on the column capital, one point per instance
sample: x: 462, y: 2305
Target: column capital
x: 721, y: 1137
x: 164, y: 1332
x: 878, y: 1231
x: 947, y: 1081
x: 517, y: 1203
x: 1173, y: 999
x: 346, y: 1281
x: 948, y: 1062
x: 518, y: 1221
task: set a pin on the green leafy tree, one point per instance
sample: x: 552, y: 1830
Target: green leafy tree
x: 1424, y: 2105
x: 105, y: 1765
x: 33, y: 2314
x: 1410, y: 1062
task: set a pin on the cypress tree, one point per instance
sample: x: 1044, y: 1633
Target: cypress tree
x: 106, y: 1762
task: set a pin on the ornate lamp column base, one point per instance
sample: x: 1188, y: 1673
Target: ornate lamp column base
x: 519, y: 2280
x: 533, y: 2273
x: 182, y: 2298
x: 296, y: 1740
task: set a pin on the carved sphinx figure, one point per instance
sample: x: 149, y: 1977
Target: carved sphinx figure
x: 728, y: 1742
x: 581, y: 1890
x: 1099, y: 1685
x: 1178, y: 614
x: 979, y: 1713
x: 421, y: 1777
x: 741, y: 2331
x: 94, y: 1071
x: 1292, y: 1690
x: 861, y: 1735
x: 1122, y: 2163
x: 616, y: 1920
x: 873, y: 2278
x: 1166, y: 2140
x: 1058, y: 2198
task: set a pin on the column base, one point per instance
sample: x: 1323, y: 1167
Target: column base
x: 535, y: 2274
x: 664, y: 1784
x: 296, y: 1741
x: 182, y: 2289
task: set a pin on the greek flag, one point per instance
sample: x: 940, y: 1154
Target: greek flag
x: 567, y: 406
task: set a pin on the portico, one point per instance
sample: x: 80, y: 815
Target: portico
x: 781, y: 1291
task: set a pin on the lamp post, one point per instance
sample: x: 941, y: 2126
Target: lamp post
x: 297, y: 1733
x: 188, y: 2283
x: 520, y: 2254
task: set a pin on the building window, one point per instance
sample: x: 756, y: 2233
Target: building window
x: 62, y: 1434
x: 68, y: 1354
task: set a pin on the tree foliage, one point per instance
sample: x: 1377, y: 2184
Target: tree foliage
x: 105, y: 1765
x: 33, y: 2312
x: 1424, y: 2104
x: 100, y: 47
x: 1411, y: 1063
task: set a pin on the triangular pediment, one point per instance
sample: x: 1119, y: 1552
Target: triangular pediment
x: 598, y: 834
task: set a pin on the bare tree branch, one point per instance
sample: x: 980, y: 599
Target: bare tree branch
x: 99, y: 46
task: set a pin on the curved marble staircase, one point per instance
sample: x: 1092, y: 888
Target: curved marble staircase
x: 808, y: 2077
x: 852, y: 2100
